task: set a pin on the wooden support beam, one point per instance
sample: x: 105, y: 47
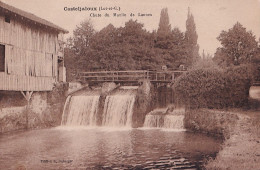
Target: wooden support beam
x: 27, y: 95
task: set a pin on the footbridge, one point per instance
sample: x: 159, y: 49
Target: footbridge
x: 130, y: 76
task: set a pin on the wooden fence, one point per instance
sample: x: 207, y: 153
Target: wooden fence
x: 25, y: 83
x: 129, y: 76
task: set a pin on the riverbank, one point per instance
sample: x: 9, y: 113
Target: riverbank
x: 242, y: 149
x: 218, y: 123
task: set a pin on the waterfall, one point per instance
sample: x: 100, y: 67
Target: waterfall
x: 80, y: 110
x: 154, y: 121
x: 163, y: 119
x: 65, y: 111
x: 118, y: 109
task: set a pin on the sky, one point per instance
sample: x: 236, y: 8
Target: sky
x: 211, y: 16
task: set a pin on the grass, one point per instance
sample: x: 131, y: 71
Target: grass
x: 242, y: 149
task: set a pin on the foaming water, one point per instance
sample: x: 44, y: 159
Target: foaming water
x: 168, y: 121
x: 162, y: 129
x: 72, y: 128
x: 81, y: 111
x: 96, y: 128
x: 118, y: 109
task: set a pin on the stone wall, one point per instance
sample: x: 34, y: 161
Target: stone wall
x: 12, y: 119
x: 43, y: 110
x: 144, y: 103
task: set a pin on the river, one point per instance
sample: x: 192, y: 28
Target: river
x: 105, y: 148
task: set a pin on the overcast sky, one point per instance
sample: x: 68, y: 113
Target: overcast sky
x: 211, y: 16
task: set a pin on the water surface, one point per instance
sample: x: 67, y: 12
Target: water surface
x: 102, y: 148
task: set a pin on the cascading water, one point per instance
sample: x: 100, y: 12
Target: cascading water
x: 80, y: 111
x: 154, y: 121
x: 118, y: 109
x: 163, y: 120
x: 65, y: 111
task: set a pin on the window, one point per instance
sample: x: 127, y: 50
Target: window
x: 7, y: 19
x: 2, y: 58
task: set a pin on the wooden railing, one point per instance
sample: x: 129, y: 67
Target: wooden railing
x: 129, y: 76
x: 25, y: 83
x: 256, y: 83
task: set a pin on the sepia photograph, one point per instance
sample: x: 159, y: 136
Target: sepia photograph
x: 129, y: 85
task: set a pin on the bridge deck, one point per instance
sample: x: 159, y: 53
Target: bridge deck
x: 130, y: 76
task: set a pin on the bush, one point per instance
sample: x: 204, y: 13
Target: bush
x: 239, y: 79
x: 212, y: 87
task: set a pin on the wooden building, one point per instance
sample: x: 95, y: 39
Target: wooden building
x: 31, y: 51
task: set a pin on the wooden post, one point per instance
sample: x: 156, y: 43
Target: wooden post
x: 27, y: 95
x: 113, y: 76
x: 173, y: 76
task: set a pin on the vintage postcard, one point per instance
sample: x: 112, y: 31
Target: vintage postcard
x: 117, y: 84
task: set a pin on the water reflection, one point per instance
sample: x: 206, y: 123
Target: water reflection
x: 99, y: 148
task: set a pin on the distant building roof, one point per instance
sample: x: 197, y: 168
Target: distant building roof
x: 8, y: 8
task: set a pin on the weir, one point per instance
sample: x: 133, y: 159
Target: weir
x: 119, y: 107
x: 80, y: 111
x: 162, y: 119
x: 83, y: 110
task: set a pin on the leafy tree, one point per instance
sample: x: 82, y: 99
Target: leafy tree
x: 70, y: 64
x: 178, y: 48
x: 191, y: 38
x: 82, y: 36
x: 164, y: 24
x: 127, y: 47
x: 238, y: 46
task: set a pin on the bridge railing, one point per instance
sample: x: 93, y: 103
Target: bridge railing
x: 129, y: 76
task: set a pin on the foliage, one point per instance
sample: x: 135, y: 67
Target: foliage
x: 70, y: 64
x: 171, y: 49
x: 127, y: 48
x: 207, y: 86
x: 82, y: 37
x: 191, y: 38
x: 201, y: 88
x: 238, y: 46
x: 164, y: 24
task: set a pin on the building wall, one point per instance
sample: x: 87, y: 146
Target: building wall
x: 29, y: 49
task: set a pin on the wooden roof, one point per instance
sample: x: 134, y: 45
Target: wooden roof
x: 37, y: 20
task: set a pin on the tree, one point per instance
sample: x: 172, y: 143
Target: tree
x: 77, y: 52
x: 191, y: 38
x: 238, y: 46
x: 178, y: 48
x: 164, y: 24
x: 82, y: 36
x: 70, y: 64
x: 127, y: 47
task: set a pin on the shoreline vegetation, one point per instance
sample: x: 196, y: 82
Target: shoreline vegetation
x: 239, y: 130
x: 242, y: 149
